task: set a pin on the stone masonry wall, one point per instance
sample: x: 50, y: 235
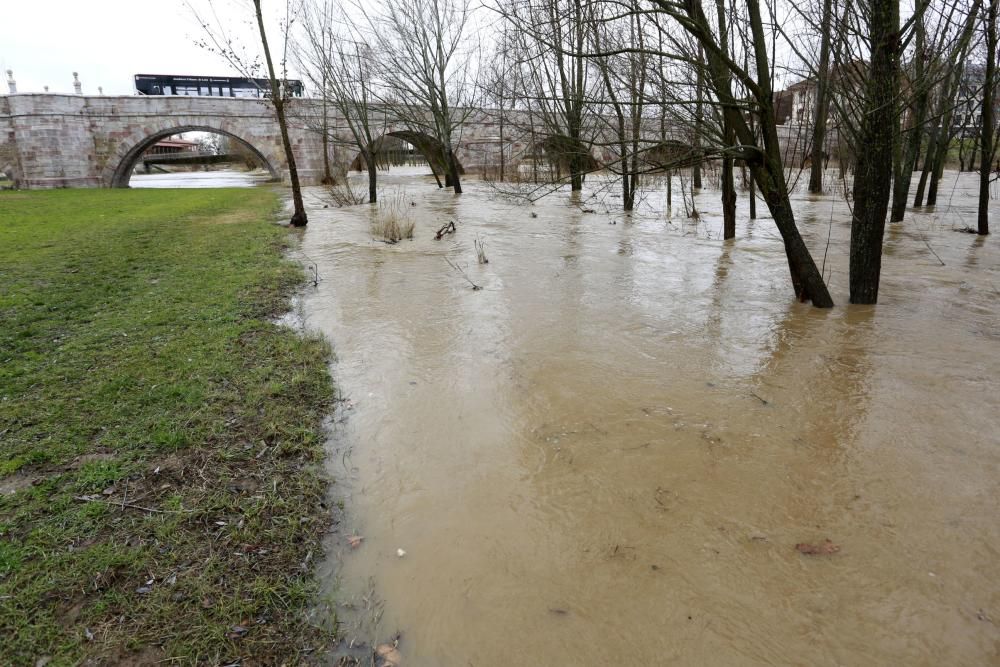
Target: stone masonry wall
x: 56, y: 141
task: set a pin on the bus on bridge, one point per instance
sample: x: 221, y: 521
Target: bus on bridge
x: 212, y: 86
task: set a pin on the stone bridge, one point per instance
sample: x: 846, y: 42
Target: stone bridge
x: 59, y: 141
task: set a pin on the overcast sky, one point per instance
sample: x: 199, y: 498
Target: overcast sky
x: 109, y: 41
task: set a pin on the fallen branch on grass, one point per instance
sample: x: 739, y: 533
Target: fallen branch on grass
x: 90, y: 499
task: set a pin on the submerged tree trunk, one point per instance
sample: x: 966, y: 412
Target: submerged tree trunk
x: 822, y: 103
x: 728, y: 198
x: 763, y: 153
x: 986, y: 138
x: 918, y: 197
x: 951, y: 88
x: 299, y: 218
x: 918, y: 116
x: 698, y: 118
x: 941, y: 155
x: 729, y: 138
x: 502, y: 146
x: 372, y: 177
x: 670, y: 190
x: 456, y: 179
x: 873, y: 166
x: 751, y: 190
x: 327, y: 176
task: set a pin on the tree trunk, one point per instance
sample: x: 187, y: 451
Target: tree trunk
x: 327, y: 177
x: 575, y: 176
x: 372, y: 178
x: 502, y: 147
x: 918, y: 116
x: 822, y: 103
x: 728, y: 199
x: 698, y: 118
x: 299, y: 218
x: 873, y: 166
x: 627, y: 192
x: 729, y: 139
x: 951, y: 88
x: 937, y: 168
x: 769, y: 174
x: 766, y: 164
x: 456, y: 179
x: 986, y: 137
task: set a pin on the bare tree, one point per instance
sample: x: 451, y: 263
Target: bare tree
x: 501, y: 84
x: 920, y: 95
x: 559, y: 83
x: 757, y: 145
x: 625, y: 75
x: 343, y: 65
x: 426, y: 73
x: 219, y: 41
x: 728, y: 134
x: 873, y: 166
x: 950, y: 65
x: 822, y: 102
x: 986, y: 147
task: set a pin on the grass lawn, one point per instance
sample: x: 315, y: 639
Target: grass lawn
x: 161, y: 482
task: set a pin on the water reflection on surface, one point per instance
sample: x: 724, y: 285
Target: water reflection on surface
x: 608, y: 455
x: 200, y: 179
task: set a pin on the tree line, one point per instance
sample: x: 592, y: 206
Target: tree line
x: 882, y: 90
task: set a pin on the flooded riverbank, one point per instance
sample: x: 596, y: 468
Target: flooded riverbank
x: 609, y: 453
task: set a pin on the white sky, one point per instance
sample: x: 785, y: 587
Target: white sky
x: 109, y: 41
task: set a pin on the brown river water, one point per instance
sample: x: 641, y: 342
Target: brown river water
x: 608, y: 454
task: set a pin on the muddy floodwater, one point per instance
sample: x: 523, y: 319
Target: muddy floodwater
x: 608, y: 454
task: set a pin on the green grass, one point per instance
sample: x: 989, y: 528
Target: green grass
x: 162, y: 433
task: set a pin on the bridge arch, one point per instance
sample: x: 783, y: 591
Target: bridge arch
x: 426, y: 145
x: 120, y: 167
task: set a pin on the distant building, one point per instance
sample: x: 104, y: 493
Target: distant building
x: 796, y: 105
x: 173, y: 146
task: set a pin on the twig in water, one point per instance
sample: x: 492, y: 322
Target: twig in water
x: 764, y: 401
x: 924, y: 239
x: 475, y: 287
x: 829, y: 233
x: 313, y: 267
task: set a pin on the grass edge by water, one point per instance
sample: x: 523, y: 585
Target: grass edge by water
x: 162, y: 436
